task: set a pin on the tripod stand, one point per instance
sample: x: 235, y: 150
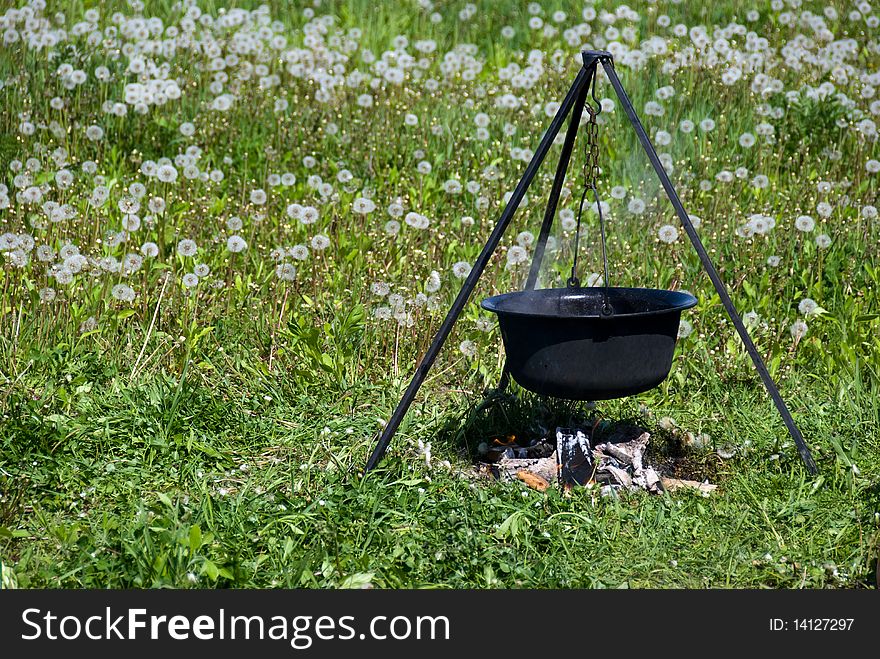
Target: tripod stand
x: 573, y: 103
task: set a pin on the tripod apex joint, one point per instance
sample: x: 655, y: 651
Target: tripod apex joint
x: 590, y: 57
x: 574, y: 103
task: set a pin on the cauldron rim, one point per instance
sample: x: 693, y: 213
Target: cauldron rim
x: 668, y: 301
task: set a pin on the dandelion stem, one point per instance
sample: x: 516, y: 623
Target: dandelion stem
x: 150, y: 330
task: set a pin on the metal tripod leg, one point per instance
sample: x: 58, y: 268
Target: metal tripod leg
x: 553, y: 201
x: 769, y: 384
x: 477, y: 270
x: 559, y: 178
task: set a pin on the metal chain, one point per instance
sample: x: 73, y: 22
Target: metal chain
x: 591, y: 178
x: 591, y: 166
x: 591, y: 150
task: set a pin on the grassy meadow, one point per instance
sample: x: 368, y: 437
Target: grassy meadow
x: 229, y: 231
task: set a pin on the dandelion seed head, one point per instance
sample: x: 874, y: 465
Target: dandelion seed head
x: 123, y: 293
x: 285, y: 272
x: 636, y: 206
x: 667, y: 234
x: 236, y: 244
x: 320, y: 242
x: 516, y: 255
x: 798, y: 330
x: 807, y: 306
x: 468, y: 348
x: 363, y: 206
x: 684, y: 329
x: 805, y: 223
x: 299, y: 252
x: 166, y: 173
x: 461, y: 269
x: 187, y: 247
x: 432, y: 284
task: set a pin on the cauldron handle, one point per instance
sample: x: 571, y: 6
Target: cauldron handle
x: 607, y: 311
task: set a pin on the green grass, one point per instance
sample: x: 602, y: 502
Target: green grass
x: 214, y: 436
x: 247, y: 484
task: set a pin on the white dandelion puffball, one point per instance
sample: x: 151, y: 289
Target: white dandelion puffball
x: 751, y: 319
x: 187, y: 247
x: 122, y: 292
x: 636, y: 206
x: 258, y: 197
x: 132, y: 263
x: 468, y: 348
x: 873, y: 166
x: 285, y: 272
x: 320, y: 242
x: 380, y: 288
x: 823, y: 241
x: 166, y: 174
x: 517, y: 255
x: 773, y: 261
x: 798, y: 329
x: 299, y: 252
x: 525, y: 238
x: 667, y: 234
x: 309, y: 215
x: 416, y: 220
x: 684, y: 329
x: 808, y: 307
x: 363, y: 206
x: 131, y: 223
x: 382, y: 313
x: 236, y: 244
x: 294, y: 211
x: 461, y: 269
x: 202, y: 270
x: 190, y: 280
x: 392, y: 227
x: 805, y: 223
x: 747, y: 140
x: 156, y: 205
x: 432, y: 284
x: 95, y: 133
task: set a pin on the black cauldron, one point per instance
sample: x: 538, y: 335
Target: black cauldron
x: 563, y: 342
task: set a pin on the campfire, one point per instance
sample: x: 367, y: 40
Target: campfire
x: 575, y: 457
